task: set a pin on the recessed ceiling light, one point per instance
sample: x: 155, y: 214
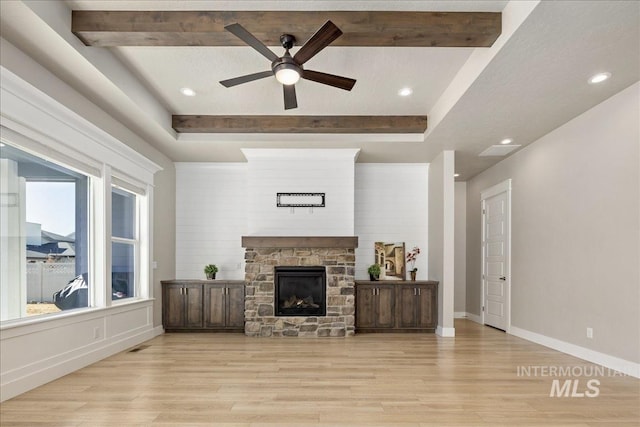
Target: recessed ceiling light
x: 506, y: 141
x: 405, y: 91
x: 186, y: 91
x: 2, y: 145
x: 455, y: 175
x: 599, y: 78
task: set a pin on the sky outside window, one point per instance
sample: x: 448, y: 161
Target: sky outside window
x: 52, y: 205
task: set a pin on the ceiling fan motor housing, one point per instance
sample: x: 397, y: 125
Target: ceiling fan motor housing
x: 286, y: 65
x: 287, y: 41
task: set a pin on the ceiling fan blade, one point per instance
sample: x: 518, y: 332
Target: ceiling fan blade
x: 321, y: 39
x: 244, y: 35
x: 290, y: 100
x: 329, y: 79
x: 245, y: 79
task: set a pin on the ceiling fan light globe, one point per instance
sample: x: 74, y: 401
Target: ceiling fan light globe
x: 287, y: 76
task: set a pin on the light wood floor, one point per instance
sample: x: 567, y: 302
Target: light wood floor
x: 368, y: 380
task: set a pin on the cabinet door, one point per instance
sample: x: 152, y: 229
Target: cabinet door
x: 173, y: 305
x: 365, y: 309
x: 235, y: 306
x: 407, y: 305
x: 385, y: 306
x: 193, y: 306
x: 214, y: 306
x: 426, y: 306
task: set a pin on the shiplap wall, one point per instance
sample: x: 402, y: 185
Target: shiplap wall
x: 328, y: 171
x: 211, y: 217
x: 388, y: 203
x: 391, y: 203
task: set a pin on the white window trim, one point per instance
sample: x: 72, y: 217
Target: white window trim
x: 65, y: 131
x: 140, y: 291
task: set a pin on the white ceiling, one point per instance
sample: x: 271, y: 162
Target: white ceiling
x: 531, y: 81
x: 380, y: 73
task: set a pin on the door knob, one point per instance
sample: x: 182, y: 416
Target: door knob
x: 503, y: 278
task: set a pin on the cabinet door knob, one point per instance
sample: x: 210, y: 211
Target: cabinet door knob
x: 503, y: 278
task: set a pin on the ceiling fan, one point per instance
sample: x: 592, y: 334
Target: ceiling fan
x: 287, y: 69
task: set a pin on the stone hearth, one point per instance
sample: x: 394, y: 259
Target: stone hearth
x: 262, y: 254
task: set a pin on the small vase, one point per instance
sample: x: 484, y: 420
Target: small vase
x: 413, y: 275
x: 373, y: 278
x: 211, y: 276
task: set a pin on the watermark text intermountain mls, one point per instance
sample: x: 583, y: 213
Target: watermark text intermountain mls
x: 571, y: 381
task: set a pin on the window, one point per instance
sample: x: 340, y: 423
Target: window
x: 44, y: 221
x: 124, y: 244
x: 62, y: 179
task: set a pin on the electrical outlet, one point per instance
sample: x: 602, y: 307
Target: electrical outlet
x: 589, y: 332
x: 96, y: 333
x: 154, y: 265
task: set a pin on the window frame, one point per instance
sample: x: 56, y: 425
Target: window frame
x: 13, y: 140
x: 135, y: 242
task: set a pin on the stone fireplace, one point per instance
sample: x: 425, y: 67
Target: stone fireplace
x: 304, y: 263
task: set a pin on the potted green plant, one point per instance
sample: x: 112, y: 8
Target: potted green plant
x: 210, y: 270
x: 374, y: 272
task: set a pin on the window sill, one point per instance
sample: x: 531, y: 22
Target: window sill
x: 49, y: 321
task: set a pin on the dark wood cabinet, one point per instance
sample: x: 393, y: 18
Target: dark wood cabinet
x: 375, y: 306
x: 189, y: 305
x: 224, y: 306
x: 399, y: 306
x: 416, y: 306
x: 182, y: 306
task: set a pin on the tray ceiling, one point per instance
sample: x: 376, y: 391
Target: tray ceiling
x: 531, y: 80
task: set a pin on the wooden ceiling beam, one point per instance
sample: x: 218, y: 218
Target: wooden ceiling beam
x: 299, y: 124
x: 198, y: 28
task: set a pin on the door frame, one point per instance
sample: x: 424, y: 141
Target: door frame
x: 503, y: 187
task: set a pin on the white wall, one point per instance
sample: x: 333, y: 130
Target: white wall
x: 273, y: 171
x: 460, y: 232
x: 209, y: 228
x: 391, y: 204
x: 211, y: 217
x: 575, y: 232
x: 441, y: 237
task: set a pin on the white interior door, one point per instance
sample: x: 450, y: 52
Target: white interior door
x: 495, y: 254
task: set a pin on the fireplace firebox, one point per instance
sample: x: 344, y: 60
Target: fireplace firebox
x: 300, y: 291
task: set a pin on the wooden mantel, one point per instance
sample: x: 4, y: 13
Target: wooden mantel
x: 299, y: 241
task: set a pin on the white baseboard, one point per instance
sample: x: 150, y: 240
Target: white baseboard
x: 474, y: 317
x: 75, y: 360
x: 611, y: 362
x: 445, y: 332
x: 465, y: 315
